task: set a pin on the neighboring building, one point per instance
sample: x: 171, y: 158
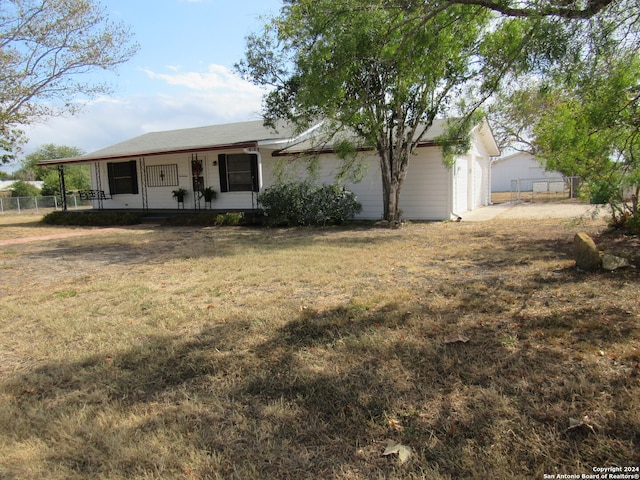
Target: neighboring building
x: 240, y: 160
x: 519, y: 167
x: 6, y: 186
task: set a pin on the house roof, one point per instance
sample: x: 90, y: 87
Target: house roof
x: 187, y: 140
x: 325, y: 144
x: 309, y: 143
x: 513, y: 156
x: 283, y: 140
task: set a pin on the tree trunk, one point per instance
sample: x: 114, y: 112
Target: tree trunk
x: 394, y: 171
x: 391, y: 199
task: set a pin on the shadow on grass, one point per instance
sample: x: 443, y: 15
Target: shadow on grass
x: 320, y: 396
x: 168, y: 243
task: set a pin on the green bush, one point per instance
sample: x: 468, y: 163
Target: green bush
x: 604, y: 190
x: 95, y: 219
x: 24, y: 189
x: 633, y: 224
x: 230, y: 219
x: 305, y: 203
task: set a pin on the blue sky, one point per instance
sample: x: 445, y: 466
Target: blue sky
x: 181, y: 77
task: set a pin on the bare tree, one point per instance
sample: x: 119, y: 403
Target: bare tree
x: 47, y: 48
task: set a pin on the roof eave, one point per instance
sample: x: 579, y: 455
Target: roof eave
x: 152, y: 153
x: 329, y: 150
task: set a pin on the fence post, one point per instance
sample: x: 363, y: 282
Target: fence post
x: 18, y: 199
x: 1, y: 206
x: 35, y: 199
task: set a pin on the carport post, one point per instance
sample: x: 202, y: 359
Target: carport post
x: 63, y: 188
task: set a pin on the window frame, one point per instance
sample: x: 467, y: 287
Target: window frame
x: 118, y: 184
x: 227, y: 184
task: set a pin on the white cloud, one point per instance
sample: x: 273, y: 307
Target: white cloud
x: 215, y: 78
x: 212, y: 97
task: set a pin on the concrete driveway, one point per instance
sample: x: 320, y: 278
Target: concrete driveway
x: 534, y: 210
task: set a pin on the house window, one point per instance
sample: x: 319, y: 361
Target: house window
x: 123, y: 177
x: 162, y: 175
x: 238, y: 172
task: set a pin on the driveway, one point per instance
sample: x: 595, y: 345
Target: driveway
x: 532, y: 211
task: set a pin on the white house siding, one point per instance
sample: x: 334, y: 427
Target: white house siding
x: 368, y: 191
x: 518, y: 166
x: 460, y: 184
x: 424, y: 195
x: 481, y: 176
x: 480, y: 182
x: 431, y: 191
x: 425, y: 192
x: 476, y: 183
x: 161, y: 197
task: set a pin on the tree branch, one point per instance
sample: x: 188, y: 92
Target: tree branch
x: 592, y: 8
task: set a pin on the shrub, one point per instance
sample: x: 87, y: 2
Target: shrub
x: 305, y: 203
x: 24, y: 189
x: 94, y: 219
x: 603, y: 190
x: 634, y: 224
x: 230, y: 219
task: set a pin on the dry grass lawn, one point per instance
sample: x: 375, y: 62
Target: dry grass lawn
x: 238, y: 353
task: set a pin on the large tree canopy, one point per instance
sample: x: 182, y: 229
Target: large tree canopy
x: 591, y: 128
x: 46, y: 49
x: 385, y: 70
x: 582, y: 118
x: 76, y: 176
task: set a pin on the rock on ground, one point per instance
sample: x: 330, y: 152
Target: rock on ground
x: 585, y: 252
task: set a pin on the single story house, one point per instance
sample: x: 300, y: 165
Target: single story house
x: 239, y: 160
x: 518, y: 171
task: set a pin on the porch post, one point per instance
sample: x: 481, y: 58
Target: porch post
x: 63, y: 188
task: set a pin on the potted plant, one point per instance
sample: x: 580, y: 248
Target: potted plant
x: 209, y: 194
x: 179, y: 194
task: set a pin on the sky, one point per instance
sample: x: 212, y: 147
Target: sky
x: 181, y: 77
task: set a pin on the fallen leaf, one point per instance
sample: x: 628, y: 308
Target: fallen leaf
x: 395, y: 424
x: 573, y: 422
x: 585, y: 421
x: 403, y: 451
x: 456, y: 338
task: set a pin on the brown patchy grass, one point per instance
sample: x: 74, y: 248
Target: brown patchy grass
x: 256, y: 353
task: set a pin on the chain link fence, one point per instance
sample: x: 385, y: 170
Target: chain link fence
x: 37, y: 205
x: 544, y: 189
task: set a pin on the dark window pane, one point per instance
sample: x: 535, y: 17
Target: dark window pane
x: 122, y: 177
x: 240, y: 172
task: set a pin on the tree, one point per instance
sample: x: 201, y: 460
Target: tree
x: 46, y: 48
x: 76, y: 176
x: 384, y: 71
x: 592, y: 129
x: 29, y: 169
x: 21, y: 188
